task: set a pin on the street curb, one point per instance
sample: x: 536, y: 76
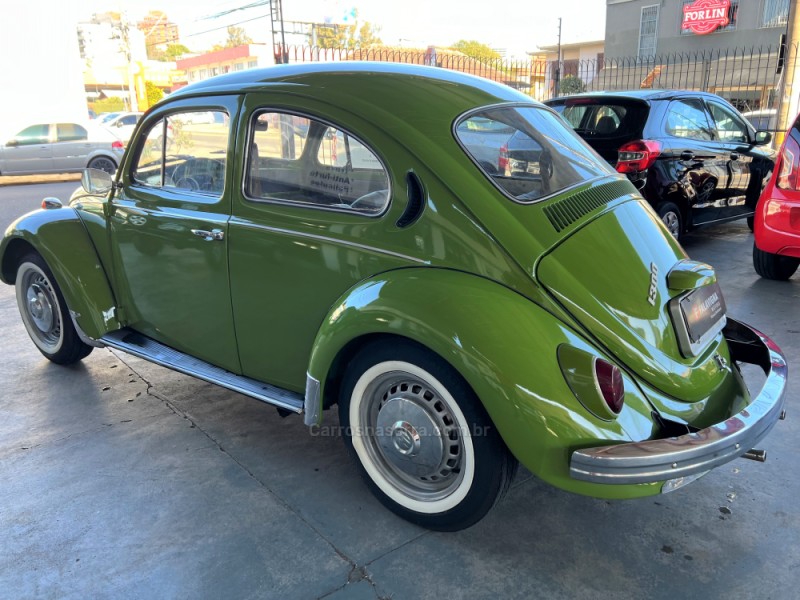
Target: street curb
x: 31, y: 179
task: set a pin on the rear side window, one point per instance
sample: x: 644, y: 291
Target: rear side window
x: 537, y: 155
x: 293, y: 159
x: 688, y: 119
x: 185, y: 151
x: 70, y: 132
x: 597, y: 119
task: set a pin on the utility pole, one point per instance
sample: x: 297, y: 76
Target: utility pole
x: 558, y: 62
x: 124, y: 28
x: 788, y: 100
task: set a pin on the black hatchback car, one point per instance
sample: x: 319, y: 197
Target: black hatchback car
x: 692, y: 155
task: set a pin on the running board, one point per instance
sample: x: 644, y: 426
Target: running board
x: 156, y: 352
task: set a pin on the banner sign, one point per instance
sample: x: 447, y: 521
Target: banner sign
x: 704, y: 16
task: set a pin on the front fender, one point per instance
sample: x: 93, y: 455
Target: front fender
x: 505, y: 347
x: 60, y: 237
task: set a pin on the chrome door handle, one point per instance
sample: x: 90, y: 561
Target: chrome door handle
x: 213, y: 235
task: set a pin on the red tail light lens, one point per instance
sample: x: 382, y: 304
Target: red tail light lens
x: 609, y: 381
x: 638, y: 156
x: 502, y: 160
x: 790, y: 165
x: 117, y: 145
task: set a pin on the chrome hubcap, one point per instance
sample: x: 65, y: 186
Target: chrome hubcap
x: 411, y: 436
x: 40, y: 308
x: 671, y: 221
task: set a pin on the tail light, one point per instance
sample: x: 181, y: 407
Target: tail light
x: 638, y: 156
x: 609, y: 382
x: 790, y: 165
x: 502, y: 160
x: 117, y: 145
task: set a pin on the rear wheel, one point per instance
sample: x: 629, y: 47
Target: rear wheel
x: 44, y: 313
x: 103, y: 163
x: 671, y: 217
x: 424, y: 443
x: 774, y: 266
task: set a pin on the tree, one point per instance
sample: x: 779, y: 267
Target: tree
x: 348, y: 36
x: 237, y: 37
x: 153, y: 93
x: 476, y: 50
x: 175, y: 51
x: 571, y: 85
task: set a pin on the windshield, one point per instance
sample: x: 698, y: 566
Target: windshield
x: 529, y: 152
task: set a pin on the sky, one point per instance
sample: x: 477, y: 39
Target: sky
x: 515, y: 25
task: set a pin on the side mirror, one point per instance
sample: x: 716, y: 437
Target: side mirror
x: 12, y: 143
x: 96, y: 182
x: 763, y: 137
x: 119, y: 123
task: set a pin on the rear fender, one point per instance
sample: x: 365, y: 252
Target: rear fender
x: 504, y: 346
x: 60, y: 237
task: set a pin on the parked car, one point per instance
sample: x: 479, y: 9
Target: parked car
x: 335, y: 242
x: 123, y: 124
x: 691, y: 154
x: 60, y: 148
x: 776, y: 246
x: 487, y: 141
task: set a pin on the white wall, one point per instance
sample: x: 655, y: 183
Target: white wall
x: 40, y: 67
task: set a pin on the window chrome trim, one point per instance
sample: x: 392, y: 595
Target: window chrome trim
x: 324, y: 238
x: 281, y: 202
x: 464, y: 116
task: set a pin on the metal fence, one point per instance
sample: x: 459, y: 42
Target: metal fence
x: 752, y: 79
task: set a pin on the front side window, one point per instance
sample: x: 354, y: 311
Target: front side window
x: 185, y: 151
x: 35, y: 134
x: 688, y: 119
x: 730, y: 128
x: 536, y: 155
x: 298, y: 160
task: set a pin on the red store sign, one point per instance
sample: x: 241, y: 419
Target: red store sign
x: 705, y: 16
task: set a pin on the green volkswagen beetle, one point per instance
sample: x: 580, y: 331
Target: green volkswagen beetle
x: 356, y: 235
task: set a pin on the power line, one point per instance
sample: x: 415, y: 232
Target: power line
x: 233, y: 10
x: 226, y: 26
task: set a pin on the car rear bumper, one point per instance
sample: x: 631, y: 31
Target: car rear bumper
x: 695, y: 453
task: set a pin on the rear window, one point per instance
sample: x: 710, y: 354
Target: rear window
x: 597, y: 119
x: 528, y: 152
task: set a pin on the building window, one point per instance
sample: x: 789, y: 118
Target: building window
x: 238, y: 67
x: 775, y: 13
x: 252, y: 64
x: 648, y: 31
x: 733, y: 14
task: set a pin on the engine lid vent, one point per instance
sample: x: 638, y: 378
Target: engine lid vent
x: 566, y: 211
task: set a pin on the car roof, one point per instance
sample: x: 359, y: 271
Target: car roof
x: 368, y: 78
x: 636, y: 94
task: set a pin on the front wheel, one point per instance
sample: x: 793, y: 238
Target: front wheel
x: 424, y: 443
x: 44, y: 313
x: 671, y: 217
x: 774, y: 266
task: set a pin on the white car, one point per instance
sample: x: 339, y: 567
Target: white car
x: 122, y: 124
x: 63, y: 147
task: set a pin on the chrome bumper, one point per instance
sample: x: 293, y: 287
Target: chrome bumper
x: 696, y: 453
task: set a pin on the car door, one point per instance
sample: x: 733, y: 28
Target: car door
x: 169, y: 232
x: 71, y: 147
x: 30, y: 151
x: 696, y: 162
x: 734, y: 136
x: 308, y: 225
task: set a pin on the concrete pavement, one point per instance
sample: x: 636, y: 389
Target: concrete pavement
x: 120, y: 479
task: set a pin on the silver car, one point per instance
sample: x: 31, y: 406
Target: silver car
x: 60, y: 148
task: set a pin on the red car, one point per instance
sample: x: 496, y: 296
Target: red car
x: 776, y: 251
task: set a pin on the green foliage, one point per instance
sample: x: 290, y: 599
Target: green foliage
x: 237, y: 37
x: 172, y: 52
x: 476, y: 50
x: 348, y: 36
x: 110, y: 104
x: 153, y: 92
x: 571, y: 85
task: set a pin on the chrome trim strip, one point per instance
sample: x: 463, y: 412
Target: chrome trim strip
x: 139, y: 345
x: 311, y: 403
x: 663, y: 459
x: 323, y: 238
x: 82, y: 335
